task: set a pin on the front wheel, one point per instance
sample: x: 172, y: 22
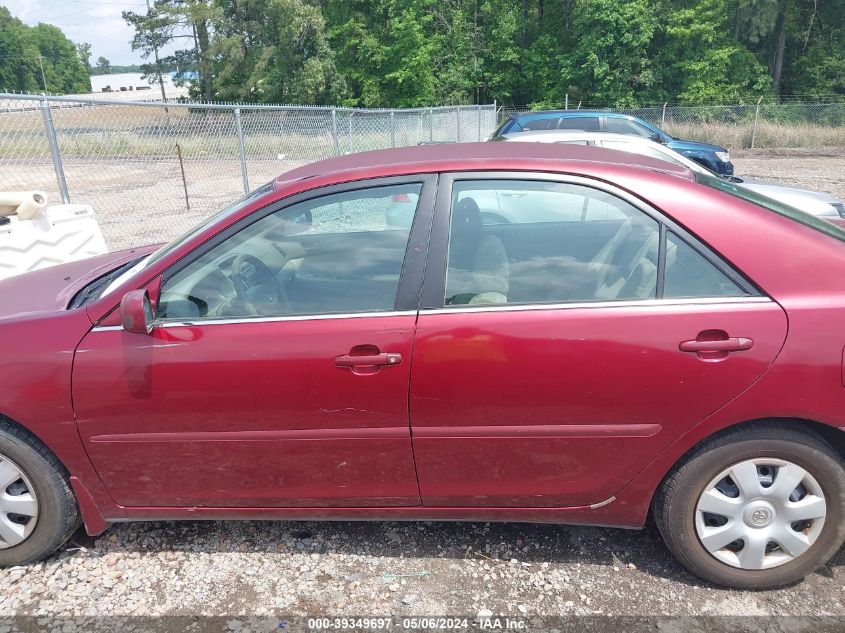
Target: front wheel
x: 756, y: 508
x: 38, y: 510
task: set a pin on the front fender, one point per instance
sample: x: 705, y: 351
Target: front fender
x: 708, y: 160
x: 35, y: 390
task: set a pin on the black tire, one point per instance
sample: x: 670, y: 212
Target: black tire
x: 58, y: 514
x: 676, y: 501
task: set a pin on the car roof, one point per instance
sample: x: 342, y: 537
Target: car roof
x: 584, y: 135
x: 549, y: 114
x: 579, y: 159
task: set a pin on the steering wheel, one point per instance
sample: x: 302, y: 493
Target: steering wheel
x: 258, y: 289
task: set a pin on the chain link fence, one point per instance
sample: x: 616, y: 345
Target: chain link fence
x: 152, y: 171
x: 758, y: 125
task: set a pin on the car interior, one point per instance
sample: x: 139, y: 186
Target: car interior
x: 548, y: 262
x: 541, y: 246
x: 316, y: 259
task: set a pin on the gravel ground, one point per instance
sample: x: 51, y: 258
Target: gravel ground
x: 237, y: 570
x: 818, y: 170
x: 302, y: 568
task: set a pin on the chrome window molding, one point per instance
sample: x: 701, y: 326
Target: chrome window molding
x: 514, y: 307
x: 637, y: 303
x: 269, y: 319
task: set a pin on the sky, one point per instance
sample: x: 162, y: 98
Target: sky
x: 98, y: 23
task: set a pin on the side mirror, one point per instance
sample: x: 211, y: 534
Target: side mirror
x: 136, y: 313
x: 657, y: 138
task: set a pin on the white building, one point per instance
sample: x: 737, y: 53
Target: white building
x: 134, y: 87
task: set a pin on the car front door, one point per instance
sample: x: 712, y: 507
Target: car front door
x: 555, y: 356
x: 277, y: 371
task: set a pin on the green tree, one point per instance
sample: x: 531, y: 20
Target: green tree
x: 609, y: 60
x: 63, y: 69
x: 170, y: 23
x: 701, y: 62
x: 103, y: 65
x: 84, y: 52
x: 273, y: 51
x: 384, y: 50
x: 18, y: 56
x: 24, y: 50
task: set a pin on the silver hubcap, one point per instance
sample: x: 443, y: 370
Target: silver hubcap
x: 18, y: 504
x: 760, y: 513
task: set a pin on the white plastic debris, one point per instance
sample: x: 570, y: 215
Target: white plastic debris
x: 34, y: 235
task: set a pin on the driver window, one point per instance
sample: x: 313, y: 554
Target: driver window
x: 340, y: 253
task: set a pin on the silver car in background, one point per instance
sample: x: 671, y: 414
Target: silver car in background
x: 816, y: 203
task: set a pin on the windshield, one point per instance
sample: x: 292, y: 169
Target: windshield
x: 774, y: 206
x: 108, y: 282
x: 509, y: 125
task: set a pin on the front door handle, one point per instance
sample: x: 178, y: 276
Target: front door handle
x: 369, y: 360
x: 364, y: 360
x: 716, y: 344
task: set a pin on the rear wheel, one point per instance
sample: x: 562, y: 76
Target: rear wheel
x: 38, y: 510
x: 756, y: 508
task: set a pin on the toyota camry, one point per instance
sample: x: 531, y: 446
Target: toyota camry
x: 478, y: 332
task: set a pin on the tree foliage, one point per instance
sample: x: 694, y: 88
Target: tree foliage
x: 25, y: 50
x: 381, y: 53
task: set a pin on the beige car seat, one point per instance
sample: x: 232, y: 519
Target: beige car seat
x: 478, y: 263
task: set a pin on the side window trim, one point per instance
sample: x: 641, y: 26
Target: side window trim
x: 434, y: 282
x: 661, y: 261
x: 416, y: 252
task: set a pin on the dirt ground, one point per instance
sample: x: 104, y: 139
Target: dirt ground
x: 279, y: 570
x: 818, y: 170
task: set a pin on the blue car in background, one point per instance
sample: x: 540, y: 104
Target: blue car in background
x: 713, y: 157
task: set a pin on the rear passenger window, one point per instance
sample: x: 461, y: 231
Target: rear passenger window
x: 517, y: 241
x: 585, y: 123
x: 624, y: 126
x: 690, y: 274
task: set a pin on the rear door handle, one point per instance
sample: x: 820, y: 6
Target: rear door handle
x: 733, y: 344
x: 715, y: 345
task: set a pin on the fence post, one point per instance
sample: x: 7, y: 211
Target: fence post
x: 430, y: 124
x: 566, y: 102
x: 478, y: 110
x: 663, y: 116
x: 334, y: 132
x: 242, y: 149
x: 458, y: 124
x: 349, y: 146
x: 756, y: 116
x: 392, y: 128
x: 54, y: 150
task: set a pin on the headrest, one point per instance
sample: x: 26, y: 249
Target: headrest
x: 466, y: 219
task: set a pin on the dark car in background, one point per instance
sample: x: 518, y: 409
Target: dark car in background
x: 713, y: 157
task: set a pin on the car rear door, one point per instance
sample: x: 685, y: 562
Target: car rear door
x: 300, y: 405
x: 550, y: 378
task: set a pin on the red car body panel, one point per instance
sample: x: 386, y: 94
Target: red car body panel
x: 248, y: 414
x: 193, y: 405
x: 545, y: 392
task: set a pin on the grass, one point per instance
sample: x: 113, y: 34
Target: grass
x: 769, y: 135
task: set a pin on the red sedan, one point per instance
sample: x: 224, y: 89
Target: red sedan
x: 484, y: 332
